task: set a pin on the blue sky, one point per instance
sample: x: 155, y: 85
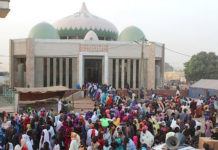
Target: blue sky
x: 186, y: 26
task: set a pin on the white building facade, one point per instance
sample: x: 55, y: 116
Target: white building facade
x: 70, y: 57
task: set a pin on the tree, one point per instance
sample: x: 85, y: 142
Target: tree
x: 202, y: 66
x: 168, y: 67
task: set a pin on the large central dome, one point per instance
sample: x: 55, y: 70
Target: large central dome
x: 77, y: 25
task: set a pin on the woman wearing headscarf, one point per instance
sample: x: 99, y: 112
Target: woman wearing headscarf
x: 66, y: 134
x: 17, y: 147
x: 23, y: 144
x: 28, y: 141
x: 119, y: 144
x: 75, y: 141
x: 146, y: 137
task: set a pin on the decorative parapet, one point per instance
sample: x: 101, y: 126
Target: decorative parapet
x: 93, y: 48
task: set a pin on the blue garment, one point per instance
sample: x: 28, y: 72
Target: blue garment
x: 143, y: 148
x: 2, y: 134
x: 119, y: 142
x: 103, y: 100
x: 130, y: 145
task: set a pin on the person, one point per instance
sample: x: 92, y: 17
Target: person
x: 106, y: 146
x: 28, y: 141
x: 59, y: 105
x: 146, y: 137
x: 183, y: 118
x: 215, y: 134
x: 44, y: 138
x: 75, y: 141
x: 206, y: 146
x: 193, y: 107
x: 95, y: 145
x: 90, y: 134
x: 56, y: 144
x: 113, y: 124
x: 129, y: 144
x: 199, y: 108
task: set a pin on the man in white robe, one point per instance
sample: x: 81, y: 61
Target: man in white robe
x: 146, y: 137
x: 91, y: 132
x: 44, y: 138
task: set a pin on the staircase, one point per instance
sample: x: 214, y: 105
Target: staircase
x: 83, y: 105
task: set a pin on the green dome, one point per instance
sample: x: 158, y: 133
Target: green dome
x: 43, y: 31
x: 131, y: 33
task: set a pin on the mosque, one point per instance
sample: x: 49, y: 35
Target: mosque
x: 84, y: 48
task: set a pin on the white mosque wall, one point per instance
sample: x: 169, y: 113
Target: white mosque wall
x: 158, y: 51
x: 56, y: 49
x: 126, y: 51
x: 20, y: 47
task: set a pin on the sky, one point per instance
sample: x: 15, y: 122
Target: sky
x: 185, y: 26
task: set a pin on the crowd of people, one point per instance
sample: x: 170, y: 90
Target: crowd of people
x: 116, y: 123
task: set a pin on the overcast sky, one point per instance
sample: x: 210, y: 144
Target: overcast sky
x: 185, y: 26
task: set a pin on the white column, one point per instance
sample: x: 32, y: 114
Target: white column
x: 67, y: 72
x: 123, y: 74
x: 61, y: 71
x: 110, y: 71
x: 39, y: 77
x: 117, y: 74
x: 48, y: 72
x: 128, y: 70
x: 74, y: 72
x: 54, y: 71
x: 134, y: 74
x: 106, y: 68
x: 80, y: 69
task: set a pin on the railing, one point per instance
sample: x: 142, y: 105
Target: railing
x: 7, y: 94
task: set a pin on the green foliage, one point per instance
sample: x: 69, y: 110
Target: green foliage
x: 202, y: 66
x: 168, y: 67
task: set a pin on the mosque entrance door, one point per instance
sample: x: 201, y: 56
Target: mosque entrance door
x: 93, y: 70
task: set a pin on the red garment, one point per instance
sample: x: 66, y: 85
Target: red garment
x: 101, y: 142
x: 24, y: 148
x: 109, y: 101
x: 83, y: 121
x: 66, y: 135
x: 26, y: 121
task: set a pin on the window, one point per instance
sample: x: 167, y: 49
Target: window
x: 64, y: 72
x: 70, y: 72
x: 45, y: 72
x: 51, y: 71
x: 57, y: 71
x: 137, y: 73
x: 131, y: 74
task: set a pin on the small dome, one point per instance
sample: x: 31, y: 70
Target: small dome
x: 77, y: 25
x: 91, y: 35
x: 43, y: 31
x: 131, y: 33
